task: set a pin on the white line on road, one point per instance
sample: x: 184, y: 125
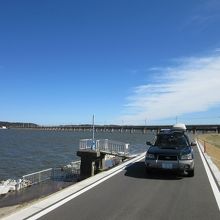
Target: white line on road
x: 210, y: 177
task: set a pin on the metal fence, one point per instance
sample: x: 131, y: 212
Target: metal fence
x: 69, y: 172
x: 85, y: 144
x: 66, y: 173
x: 38, y: 177
x: 105, y: 145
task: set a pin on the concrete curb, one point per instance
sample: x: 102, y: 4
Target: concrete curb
x: 53, y: 201
x: 214, y: 169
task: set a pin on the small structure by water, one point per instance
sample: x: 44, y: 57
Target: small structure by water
x: 93, y: 154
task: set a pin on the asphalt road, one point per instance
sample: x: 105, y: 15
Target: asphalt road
x: 133, y: 195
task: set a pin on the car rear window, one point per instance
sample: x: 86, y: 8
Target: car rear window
x: 173, y: 140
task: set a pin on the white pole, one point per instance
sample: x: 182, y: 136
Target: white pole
x: 93, y: 128
x: 93, y: 132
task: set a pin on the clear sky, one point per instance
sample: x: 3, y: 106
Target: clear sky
x: 126, y: 61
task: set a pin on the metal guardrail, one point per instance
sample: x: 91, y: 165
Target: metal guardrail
x: 105, y: 145
x: 37, y: 177
x: 70, y: 171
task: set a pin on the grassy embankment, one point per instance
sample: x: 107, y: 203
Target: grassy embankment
x: 212, y: 143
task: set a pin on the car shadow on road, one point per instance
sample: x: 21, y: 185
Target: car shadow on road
x: 137, y: 170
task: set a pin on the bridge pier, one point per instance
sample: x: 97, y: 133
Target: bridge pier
x: 144, y: 131
x: 131, y: 131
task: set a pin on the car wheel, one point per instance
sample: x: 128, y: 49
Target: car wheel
x: 191, y: 173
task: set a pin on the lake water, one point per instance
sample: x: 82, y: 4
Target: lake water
x: 26, y: 151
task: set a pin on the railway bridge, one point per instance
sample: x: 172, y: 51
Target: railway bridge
x: 129, y: 128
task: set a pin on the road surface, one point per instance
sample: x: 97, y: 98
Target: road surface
x: 132, y: 195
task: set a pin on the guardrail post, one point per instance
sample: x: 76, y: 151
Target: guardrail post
x: 204, y: 147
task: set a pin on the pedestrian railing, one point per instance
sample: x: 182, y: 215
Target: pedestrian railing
x: 38, y: 177
x: 70, y: 171
x: 105, y: 145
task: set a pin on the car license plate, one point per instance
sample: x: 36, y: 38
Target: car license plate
x: 167, y: 166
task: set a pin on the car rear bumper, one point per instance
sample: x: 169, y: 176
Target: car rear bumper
x: 179, y: 165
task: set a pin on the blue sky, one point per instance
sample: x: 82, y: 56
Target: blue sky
x: 127, y: 62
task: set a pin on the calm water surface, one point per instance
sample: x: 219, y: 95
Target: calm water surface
x: 26, y: 151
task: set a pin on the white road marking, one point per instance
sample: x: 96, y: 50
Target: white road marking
x: 210, y: 177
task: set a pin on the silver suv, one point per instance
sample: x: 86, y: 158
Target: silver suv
x: 172, y: 151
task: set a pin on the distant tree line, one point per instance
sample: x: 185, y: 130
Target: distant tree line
x: 17, y: 124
